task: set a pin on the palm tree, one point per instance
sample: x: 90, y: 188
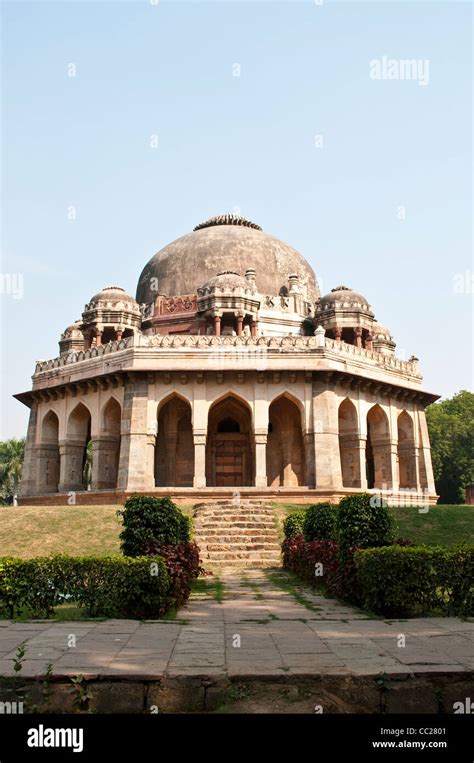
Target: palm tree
x: 11, y: 462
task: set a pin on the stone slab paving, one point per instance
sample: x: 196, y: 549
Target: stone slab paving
x: 263, y: 626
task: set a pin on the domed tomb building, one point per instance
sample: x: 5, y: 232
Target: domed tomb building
x: 228, y: 372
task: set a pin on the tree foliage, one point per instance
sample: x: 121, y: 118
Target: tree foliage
x: 451, y: 427
x: 11, y: 462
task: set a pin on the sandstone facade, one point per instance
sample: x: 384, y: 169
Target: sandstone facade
x: 229, y: 387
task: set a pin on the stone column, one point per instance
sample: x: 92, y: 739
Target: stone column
x: 71, y: 453
x: 253, y: 328
x: 361, y: 448
x: 217, y: 325
x: 29, y: 472
x: 199, y: 440
x: 261, y: 458
x: 394, y: 467
x: 47, y: 459
x: 425, y: 452
x: 134, y: 468
x: 105, y: 451
x: 240, y: 320
x: 358, y: 336
x: 326, y: 435
x: 309, y: 446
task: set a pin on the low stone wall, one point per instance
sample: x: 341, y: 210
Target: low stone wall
x: 434, y: 692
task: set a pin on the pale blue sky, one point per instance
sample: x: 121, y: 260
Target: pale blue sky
x: 245, y: 142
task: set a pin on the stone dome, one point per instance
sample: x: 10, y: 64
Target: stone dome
x: 228, y: 280
x: 224, y: 243
x: 380, y: 331
x: 111, y: 296
x: 73, y: 331
x: 343, y: 297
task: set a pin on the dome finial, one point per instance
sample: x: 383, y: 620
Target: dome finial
x: 227, y: 220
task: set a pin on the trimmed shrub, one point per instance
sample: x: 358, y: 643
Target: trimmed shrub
x: 363, y: 521
x: 411, y: 581
x: 308, y: 559
x: 113, y: 586
x: 320, y: 522
x: 293, y: 524
x: 182, y: 563
x: 147, y: 520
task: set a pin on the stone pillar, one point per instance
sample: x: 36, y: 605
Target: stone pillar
x: 134, y: 467
x: 261, y: 458
x: 217, y: 325
x: 47, y: 459
x: 30, y: 463
x: 326, y: 435
x: 71, y: 454
x: 199, y: 440
x: 118, y: 333
x: 394, y: 468
x: 105, y: 454
x: 361, y: 448
x: 358, y: 336
x: 308, y: 439
x: 240, y: 320
x: 338, y: 333
x: 425, y: 452
x: 253, y: 328
x: 369, y: 340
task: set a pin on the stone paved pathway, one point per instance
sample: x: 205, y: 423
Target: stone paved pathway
x: 261, y: 627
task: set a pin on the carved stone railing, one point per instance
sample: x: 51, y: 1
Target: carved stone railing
x: 294, y: 343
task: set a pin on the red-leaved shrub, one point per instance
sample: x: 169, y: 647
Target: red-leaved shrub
x: 304, y: 557
x: 182, y: 563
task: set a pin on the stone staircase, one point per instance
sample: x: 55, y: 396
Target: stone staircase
x: 237, y: 534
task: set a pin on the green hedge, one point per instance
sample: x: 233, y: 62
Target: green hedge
x: 113, y: 586
x: 416, y: 580
x: 364, y: 521
x: 320, y: 522
x: 294, y: 523
x: 150, y: 522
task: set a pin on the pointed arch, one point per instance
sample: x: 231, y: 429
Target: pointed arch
x: 77, y: 457
x: 407, y: 465
x: 174, y: 447
x: 348, y: 427
x: 48, y: 454
x: 106, y: 447
x: 229, y: 449
x: 285, y: 446
x: 378, y: 461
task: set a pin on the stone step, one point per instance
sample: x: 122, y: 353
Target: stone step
x: 232, y: 520
x: 222, y: 555
x: 256, y: 536
x: 237, y: 512
x: 248, y: 546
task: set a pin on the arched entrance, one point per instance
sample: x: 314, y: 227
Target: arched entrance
x: 48, y: 456
x: 77, y: 453
x: 229, y: 452
x: 406, y: 450
x: 106, y: 447
x: 379, y: 472
x: 174, y: 451
x: 349, y: 444
x: 285, y: 447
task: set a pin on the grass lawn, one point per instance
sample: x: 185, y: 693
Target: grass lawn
x: 27, y: 531
x: 442, y: 525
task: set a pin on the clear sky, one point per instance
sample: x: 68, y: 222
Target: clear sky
x: 381, y: 201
